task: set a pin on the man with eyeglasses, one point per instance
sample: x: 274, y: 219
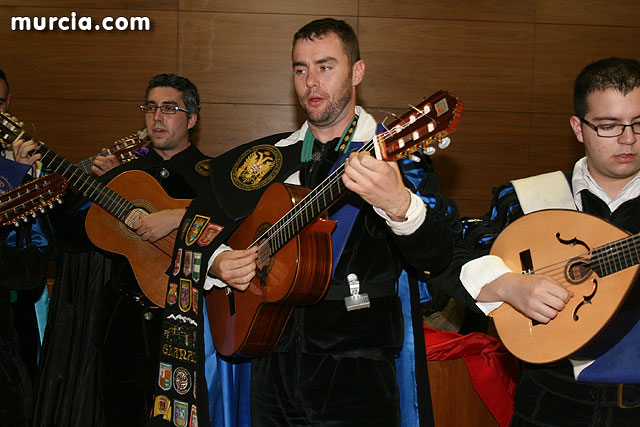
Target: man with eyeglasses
x: 128, y: 326
x: 597, y: 390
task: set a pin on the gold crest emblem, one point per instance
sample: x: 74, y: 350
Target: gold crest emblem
x: 256, y: 167
x: 202, y: 167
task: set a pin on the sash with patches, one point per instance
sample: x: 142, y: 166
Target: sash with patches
x: 182, y: 395
x: 11, y: 174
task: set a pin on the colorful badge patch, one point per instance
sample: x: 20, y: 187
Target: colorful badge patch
x: 184, y: 297
x: 193, y: 419
x: 197, y: 259
x: 172, y: 295
x: 194, y: 300
x: 176, y: 265
x: 188, y: 262
x: 162, y: 406
x: 181, y: 380
x: 202, y: 167
x: 164, y: 378
x: 209, y: 234
x: 183, y: 227
x: 196, y: 227
x: 256, y: 167
x: 180, y: 413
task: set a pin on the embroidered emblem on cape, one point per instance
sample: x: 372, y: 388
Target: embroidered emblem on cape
x: 188, y: 260
x: 176, y: 266
x: 194, y: 300
x: 197, y: 259
x: 202, y: 167
x: 193, y: 419
x: 180, y: 412
x: 164, y: 378
x: 162, y: 406
x: 184, y: 299
x: 172, y: 295
x: 209, y: 234
x: 181, y: 380
x: 183, y: 227
x: 196, y: 227
x: 5, y: 185
x: 256, y: 167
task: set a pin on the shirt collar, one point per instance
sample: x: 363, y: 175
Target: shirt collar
x: 583, y: 180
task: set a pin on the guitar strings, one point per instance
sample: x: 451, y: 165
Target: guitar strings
x: 610, y: 258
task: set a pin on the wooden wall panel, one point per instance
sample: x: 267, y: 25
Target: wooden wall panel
x: 234, y: 65
x: 463, y: 10
x: 224, y: 126
x: 298, y: 7
x: 563, y: 50
x: 553, y: 144
x: 74, y: 128
x: 589, y: 12
x: 95, y: 4
x: 107, y: 65
x: 488, y: 65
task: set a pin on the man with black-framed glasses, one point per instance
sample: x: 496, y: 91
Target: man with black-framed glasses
x: 597, y: 384
x: 125, y: 326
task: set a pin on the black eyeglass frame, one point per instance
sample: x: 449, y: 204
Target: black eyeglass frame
x: 164, y: 109
x: 624, y: 127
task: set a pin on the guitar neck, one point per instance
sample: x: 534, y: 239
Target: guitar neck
x: 309, y: 208
x: 85, y: 165
x: 111, y: 201
x: 616, y: 256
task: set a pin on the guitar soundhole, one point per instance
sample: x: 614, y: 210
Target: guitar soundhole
x: 577, y: 271
x: 142, y: 205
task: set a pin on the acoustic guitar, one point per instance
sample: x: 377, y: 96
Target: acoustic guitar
x: 591, y: 257
x: 294, y: 240
x: 28, y: 199
x: 117, y: 206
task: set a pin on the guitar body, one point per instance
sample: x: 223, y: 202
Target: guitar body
x: 149, y: 261
x: 561, y: 239
x: 250, y: 323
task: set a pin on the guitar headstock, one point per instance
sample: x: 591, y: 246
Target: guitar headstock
x: 27, y: 199
x: 424, y: 126
x: 128, y: 148
x: 10, y: 128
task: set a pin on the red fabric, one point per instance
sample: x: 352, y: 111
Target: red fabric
x: 493, y: 370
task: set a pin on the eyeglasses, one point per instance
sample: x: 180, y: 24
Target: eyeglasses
x: 164, y: 109
x: 612, y: 130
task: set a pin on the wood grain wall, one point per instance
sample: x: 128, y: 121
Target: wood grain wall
x: 512, y: 62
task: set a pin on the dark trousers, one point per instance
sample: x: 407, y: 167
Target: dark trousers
x: 297, y: 389
x: 545, y: 398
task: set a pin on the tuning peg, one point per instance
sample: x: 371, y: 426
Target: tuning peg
x: 59, y: 200
x: 430, y: 151
x: 444, y: 143
x: 414, y: 158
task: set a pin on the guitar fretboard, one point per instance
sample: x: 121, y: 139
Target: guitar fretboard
x: 111, y: 201
x: 85, y: 165
x: 616, y: 256
x: 308, y: 209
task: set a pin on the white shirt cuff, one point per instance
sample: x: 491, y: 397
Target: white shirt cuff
x: 415, y: 215
x: 478, y: 273
x: 210, y: 282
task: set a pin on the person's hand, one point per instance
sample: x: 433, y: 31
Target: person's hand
x: 157, y: 225
x: 378, y: 182
x: 236, y: 267
x: 537, y: 296
x: 103, y: 164
x: 21, y: 150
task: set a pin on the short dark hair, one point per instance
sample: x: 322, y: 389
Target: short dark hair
x: 622, y: 74
x: 182, y: 84
x: 321, y: 27
x: 4, y: 77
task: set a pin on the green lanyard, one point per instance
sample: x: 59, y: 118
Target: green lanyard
x: 343, y: 145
